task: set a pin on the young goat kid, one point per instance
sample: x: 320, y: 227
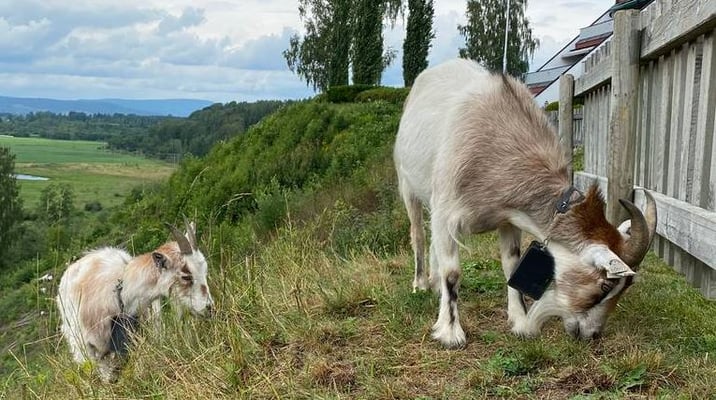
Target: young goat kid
x: 103, y: 294
x: 475, y: 149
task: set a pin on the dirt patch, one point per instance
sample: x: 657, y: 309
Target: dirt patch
x: 340, y: 375
x: 575, y: 381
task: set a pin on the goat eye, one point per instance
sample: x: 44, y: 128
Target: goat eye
x: 187, y: 278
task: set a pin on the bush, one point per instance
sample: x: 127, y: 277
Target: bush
x: 345, y: 94
x: 553, y: 106
x: 93, y: 206
x: 389, y: 94
x: 577, y: 102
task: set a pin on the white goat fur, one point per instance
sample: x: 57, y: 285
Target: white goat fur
x: 474, y: 148
x: 87, y: 296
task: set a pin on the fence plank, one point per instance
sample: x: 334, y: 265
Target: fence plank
x: 667, y: 71
x: 690, y: 100
x: 677, y: 116
x: 657, y: 156
x: 691, y: 228
x: 596, y: 70
x: 679, y: 22
x: 703, y: 158
x: 642, y: 122
x: 566, y: 115
x: 622, y: 121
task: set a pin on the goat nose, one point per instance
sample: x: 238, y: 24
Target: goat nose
x: 210, y: 310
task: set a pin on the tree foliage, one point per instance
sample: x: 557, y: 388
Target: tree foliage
x: 485, y: 35
x: 10, y: 205
x: 174, y: 138
x: 367, y: 55
x: 340, y: 34
x: 321, y: 57
x: 56, y: 204
x: 76, y: 125
x: 418, y: 35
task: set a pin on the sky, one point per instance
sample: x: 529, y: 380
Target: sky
x: 216, y: 50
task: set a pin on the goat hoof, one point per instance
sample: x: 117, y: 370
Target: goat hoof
x: 420, y: 285
x: 450, y: 335
x: 523, y: 330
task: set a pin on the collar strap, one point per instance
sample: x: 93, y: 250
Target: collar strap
x: 562, y: 206
x: 564, y: 203
x: 118, y: 290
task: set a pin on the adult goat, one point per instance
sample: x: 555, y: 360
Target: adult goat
x: 474, y: 147
x: 103, y: 295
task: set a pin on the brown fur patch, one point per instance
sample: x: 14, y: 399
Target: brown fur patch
x: 583, y: 288
x: 586, y: 222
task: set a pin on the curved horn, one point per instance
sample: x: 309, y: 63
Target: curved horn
x: 642, y: 231
x: 650, y: 214
x: 190, y: 232
x: 181, y: 240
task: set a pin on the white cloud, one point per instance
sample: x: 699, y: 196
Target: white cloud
x: 219, y: 50
x: 188, y: 18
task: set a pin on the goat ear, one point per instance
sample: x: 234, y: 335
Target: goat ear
x: 159, y: 260
x: 601, y: 257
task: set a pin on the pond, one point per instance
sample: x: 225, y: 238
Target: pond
x: 24, y: 177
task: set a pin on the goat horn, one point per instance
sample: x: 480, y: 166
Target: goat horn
x: 642, y: 231
x: 181, y: 240
x: 190, y: 232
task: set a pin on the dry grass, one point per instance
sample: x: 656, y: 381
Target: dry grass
x: 298, y: 322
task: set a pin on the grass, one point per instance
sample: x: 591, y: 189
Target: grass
x: 95, y: 174
x: 296, y: 321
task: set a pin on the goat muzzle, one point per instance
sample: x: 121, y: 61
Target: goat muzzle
x: 643, y: 228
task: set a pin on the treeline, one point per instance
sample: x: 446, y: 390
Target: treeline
x: 173, y: 138
x: 154, y: 136
x: 76, y: 125
x: 344, y: 39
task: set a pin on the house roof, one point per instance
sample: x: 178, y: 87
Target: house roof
x: 581, y: 45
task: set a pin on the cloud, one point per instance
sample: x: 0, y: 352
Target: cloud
x: 221, y: 50
x: 263, y: 53
x: 189, y: 17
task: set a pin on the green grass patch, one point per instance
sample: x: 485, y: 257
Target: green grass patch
x: 309, y: 263
x: 49, y: 151
x: 295, y: 322
x: 95, y: 173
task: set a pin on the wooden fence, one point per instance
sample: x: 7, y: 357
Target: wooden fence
x: 649, y: 114
x: 577, y: 124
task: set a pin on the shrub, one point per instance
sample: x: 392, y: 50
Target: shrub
x: 577, y: 102
x: 93, y: 206
x: 345, y: 94
x: 389, y: 94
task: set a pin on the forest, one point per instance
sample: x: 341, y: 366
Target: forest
x: 168, y: 138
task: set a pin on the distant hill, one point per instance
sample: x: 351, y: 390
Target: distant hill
x: 174, y: 107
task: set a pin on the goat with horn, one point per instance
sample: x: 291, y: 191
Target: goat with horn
x: 474, y: 148
x: 103, y: 295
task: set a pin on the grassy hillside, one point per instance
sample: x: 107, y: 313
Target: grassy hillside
x: 310, y: 267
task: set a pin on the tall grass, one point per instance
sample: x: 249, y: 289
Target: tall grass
x: 313, y: 287
x: 297, y: 320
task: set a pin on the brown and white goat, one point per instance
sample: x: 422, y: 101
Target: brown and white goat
x: 476, y: 150
x: 103, y: 295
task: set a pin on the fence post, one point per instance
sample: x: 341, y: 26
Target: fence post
x: 566, y: 117
x: 622, y: 125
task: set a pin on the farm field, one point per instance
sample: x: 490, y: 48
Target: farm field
x: 95, y: 174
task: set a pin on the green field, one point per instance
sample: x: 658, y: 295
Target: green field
x: 95, y: 173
